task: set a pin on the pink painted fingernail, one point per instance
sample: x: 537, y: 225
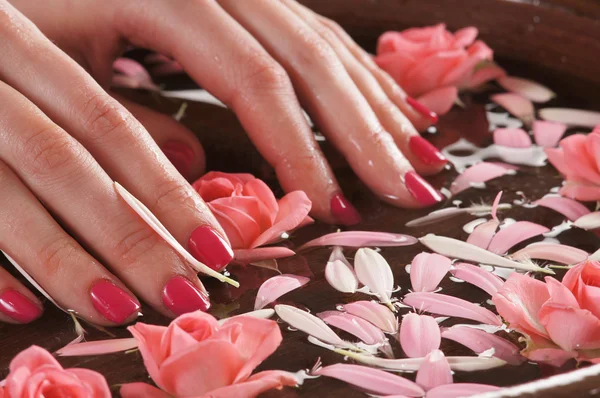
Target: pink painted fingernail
x: 422, y: 109
x: 343, y: 211
x: 181, y: 296
x: 425, y: 151
x: 18, y: 307
x: 181, y: 155
x: 113, y: 302
x: 421, y: 190
x: 207, y: 246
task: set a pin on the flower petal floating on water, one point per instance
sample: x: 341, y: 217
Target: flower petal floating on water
x: 419, y: 335
x: 445, y: 305
x: 517, y: 105
x: 480, y: 341
x: 512, y: 138
x: 377, y: 314
x: 458, y: 390
x: 309, y: 324
x: 551, y: 252
x: 454, y: 248
x: 434, y: 371
x: 361, y: 239
x: 569, y: 208
x: 98, y: 347
x: 364, y: 330
x: 339, y: 273
x: 477, y: 174
x: 589, y: 221
x: 374, y: 272
x: 571, y: 117
x: 427, y: 271
x: 483, y: 234
x: 477, y: 276
x: 277, y: 286
x: 372, y: 381
x: 514, y: 234
x: 548, y: 134
x: 527, y: 88
x: 248, y: 256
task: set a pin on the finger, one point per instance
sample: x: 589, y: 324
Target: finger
x: 419, y: 115
x: 78, y: 192
x: 334, y: 101
x: 116, y: 140
x: 423, y: 156
x: 17, y: 304
x: 223, y: 58
x: 178, y: 143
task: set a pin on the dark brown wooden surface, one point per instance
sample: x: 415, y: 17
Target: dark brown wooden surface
x: 505, y: 26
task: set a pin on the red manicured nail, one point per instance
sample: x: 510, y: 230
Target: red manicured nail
x: 422, y: 109
x: 343, y: 211
x: 421, y: 190
x: 181, y: 296
x: 207, y: 246
x: 113, y: 302
x: 16, y: 306
x: 425, y: 151
x: 180, y: 155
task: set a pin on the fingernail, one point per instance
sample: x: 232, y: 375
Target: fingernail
x: 422, y: 109
x: 421, y: 190
x: 181, y: 296
x: 343, y: 211
x: 207, y: 246
x: 425, y: 151
x: 181, y: 155
x: 18, y: 307
x: 113, y: 302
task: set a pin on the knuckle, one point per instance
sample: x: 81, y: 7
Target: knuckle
x: 133, y: 242
x: 264, y: 73
x: 316, y: 50
x: 55, y: 255
x: 103, y: 117
x: 5, y: 174
x: 48, y: 151
x: 174, y: 195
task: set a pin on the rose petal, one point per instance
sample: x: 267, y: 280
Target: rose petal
x: 98, y: 347
x: 434, y: 371
x: 512, y: 138
x: 483, y: 234
x: 445, y: 305
x: 484, y: 75
x: 141, y: 390
x: 567, y: 207
x: 548, y: 134
x: 440, y: 100
x: 248, y: 256
x: 419, y: 335
x: 517, y: 105
x: 526, y: 88
x: 480, y: 341
x: 477, y: 276
x: 427, y: 271
x: 479, y: 173
x: 514, y: 234
x: 377, y: 314
x: 581, y: 161
x: 257, y: 384
x: 364, y: 330
x: 277, y: 286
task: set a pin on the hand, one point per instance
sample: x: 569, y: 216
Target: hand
x: 63, y: 139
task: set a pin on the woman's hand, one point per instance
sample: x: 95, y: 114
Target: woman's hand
x: 63, y: 140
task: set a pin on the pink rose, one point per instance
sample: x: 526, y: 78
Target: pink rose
x: 35, y: 373
x: 431, y: 63
x: 196, y: 357
x: 561, y: 320
x: 250, y: 214
x: 578, y: 160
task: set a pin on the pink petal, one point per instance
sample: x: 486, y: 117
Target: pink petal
x: 234, y: 233
x: 257, y: 188
x: 361, y: 239
x: 552, y: 356
x: 548, y: 134
x: 514, y: 234
x: 480, y: 341
x: 248, y: 256
x: 556, y: 157
x: 495, y: 205
x: 134, y: 75
x: 589, y: 221
x: 372, y: 381
x: 484, y: 75
x: 434, y: 371
x: 483, y: 233
x: 141, y: 390
x: 364, y: 330
x: 377, y: 314
x: 580, y: 158
x: 519, y: 301
x: 440, y: 100
x: 551, y: 252
x: 466, y: 36
x: 256, y: 384
x: 458, y: 390
x: 293, y: 209
x: 339, y: 273
x: 581, y: 191
x: 517, y: 105
x: 98, y: 347
x: 437, y: 216
x: 395, y: 64
x: 309, y: 324
x: 512, y: 138
x: 277, y: 286
x: 481, y: 172
x: 477, y: 276
x: 571, y: 328
x: 526, y: 88
x: 569, y: 208
x: 571, y: 117
x: 461, y: 72
x: 427, y: 271
x: 419, y: 335
x: 427, y: 74
x: 373, y: 271
x: 445, y: 305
